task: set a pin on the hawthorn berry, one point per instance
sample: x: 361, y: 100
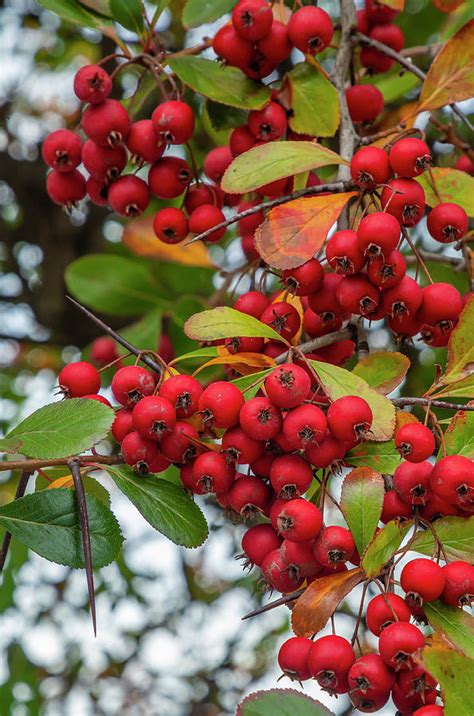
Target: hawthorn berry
x: 327, y: 453
x: 404, y: 298
x: 216, y: 162
x: 283, y: 318
x: 79, y: 379
x: 374, y: 60
x: 198, y: 194
x: 370, y: 166
x: 249, y: 496
x: 447, y: 222
x: 269, y: 123
x: 349, y: 418
x: 288, y: 385
x: 412, y: 482
x: 442, y: 305
x: 387, y: 272
x: 405, y: 200
x: 170, y: 225
x: 458, y: 589
x: 173, y: 122
x: 132, y: 383
x: 258, y: 541
x: 378, y: 234
x: 153, y: 417
x: 410, y: 157
x: 61, y: 150
x: 231, y: 47
x: 104, y: 350
x: 330, y: 660
x: 452, y: 479
x: 324, y: 302
x: 212, y: 473
x: 413, y: 688
x: 122, y: 425
x: 239, y: 448
x: 370, y: 682
x: 415, y: 442
x: 430, y: 710
x: 169, y: 177
x: 397, y: 642
x: 422, y: 581
x: 304, y: 279
x: 394, y: 507
x: 356, y: 294
x: 205, y: 217
x: 260, y: 418
x: 293, y: 658
x: 252, y: 19
x: 241, y: 140
x: 464, y: 164
x: 138, y: 452
x: 333, y: 545
x: 183, y: 392
x: 65, y: 188
x: 144, y: 143
x: 97, y: 191
x: 298, y: 557
x: 92, y: 84
x: 298, y: 520
x: 314, y: 325
x: 385, y: 609
x: 365, y: 102
x: 290, y: 476
x: 305, y: 425
x: 276, y: 45
x: 343, y: 253
x: 391, y: 35
x: 106, y: 123
x: 277, y: 576
x: 379, y: 14
x: 310, y: 30
x: 180, y: 445
x: 129, y: 195
x: 105, y: 163
x: 220, y: 405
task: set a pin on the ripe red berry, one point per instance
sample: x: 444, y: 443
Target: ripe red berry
x: 268, y: 124
x: 405, y: 200
x: 305, y: 425
x: 122, y: 425
x: 390, y: 35
x: 98, y: 398
x: 324, y: 302
x: 169, y: 177
x: 378, y: 233
x: 298, y: 558
x: 314, y: 325
x: 447, y: 222
x: 260, y: 418
x: 464, y: 164
x: 459, y: 584
x: 252, y: 19
x: 430, y: 710
x: 211, y: 473
x: 298, y: 520
x: 356, y: 294
x: 216, y: 162
x: 62, y: 150
x: 139, y: 452
x: 422, y: 581
x: 343, y: 253
x: 104, y: 350
x: 410, y: 157
x: 249, y: 224
x: 442, y: 305
x: 170, y: 225
x: 404, y: 298
x: 333, y: 545
x: 106, y: 123
x: 365, y: 102
x: 154, y: 417
x: 394, y: 507
x: 129, y: 195
x: 249, y: 496
x: 370, y: 166
x: 276, y: 46
x: 204, y: 218
x: 310, y: 30
x: 329, y: 452
x: 437, y: 507
x: 283, y: 318
x: 290, y: 476
x: 92, y: 84
x: 105, y: 163
x: 415, y: 442
x: 385, y: 609
x: 277, y: 575
x: 375, y: 60
x: 144, y: 143
x: 305, y: 279
x: 412, y: 482
x: 183, y: 392
x: 370, y: 682
x: 79, y: 379
x: 231, y: 47
x: 240, y: 448
x: 241, y: 140
x: 329, y: 662
x: 397, y: 642
x: 220, y: 404
x: 379, y: 14
x: 349, y: 418
x: 199, y: 194
x: 288, y: 385
x: 131, y: 383
x: 452, y: 479
x: 293, y: 658
x: 258, y: 541
x: 386, y: 272
x: 179, y: 445
x: 65, y: 188
x: 413, y: 688
x: 173, y: 122
x: 97, y: 191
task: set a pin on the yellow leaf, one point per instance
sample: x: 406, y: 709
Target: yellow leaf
x: 294, y: 301
x: 64, y: 481
x: 140, y: 238
x: 243, y: 363
x: 451, y: 76
x: 394, y: 4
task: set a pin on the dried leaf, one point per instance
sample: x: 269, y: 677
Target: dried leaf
x: 140, y: 238
x: 293, y: 232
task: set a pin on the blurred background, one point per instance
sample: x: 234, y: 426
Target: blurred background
x: 170, y: 637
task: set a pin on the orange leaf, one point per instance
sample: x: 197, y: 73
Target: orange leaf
x: 394, y: 4
x: 293, y: 232
x: 294, y: 301
x: 447, y: 5
x: 450, y: 77
x: 140, y: 238
x: 64, y: 481
x: 243, y: 363
x: 321, y: 599
x: 403, y: 418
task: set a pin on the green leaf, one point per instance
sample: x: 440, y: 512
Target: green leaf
x: 455, y: 673
x: 199, y: 12
x: 452, y: 185
x: 207, y: 352
x: 458, y: 389
x: 60, y: 429
x: 224, y: 118
x: 314, y: 101
x: 144, y: 334
x: 456, y: 534
x: 393, y: 86
x: 454, y: 624
x: 274, y: 160
x: 382, y: 457
x: 459, y: 436
x: 284, y: 702
x: 361, y: 502
x: 383, y: 371
x: 72, y: 11
x: 383, y: 547
x: 225, y: 322
x: 165, y: 506
x: 113, y: 284
x: 255, y: 380
x: 48, y: 523
x: 128, y: 13
x: 339, y: 382
x: 226, y: 85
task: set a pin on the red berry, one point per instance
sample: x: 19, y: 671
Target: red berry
x: 365, y: 102
x: 310, y: 30
x: 62, y: 150
x: 397, y: 642
x: 314, y: 325
x: 260, y: 418
x: 169, y: 177
x: 379, y: 14
x: 447, y: 222
x: 243, y: 344
x: 143, y: 141
x: 343, y: 253
x: 183, y: 392
x: 437, y: 336
x: 290, y: 476
x: 330, y: 659
x: 375, y: 60
x: 370, y: 682
x: 305, y: 425
x: 464, y: 164
x: 273, y: 188
x: 131, y: 383
x: 258, y: 541
x: 333, y: 545
x: 298, y: 558
x: 459, y: 584
x: 154, y: 417
x: 173, y: 122
x: 349, y: 418
x: 370, y: 166
x: 199, y: 194
x: 122, y: 425
x: 216, y: 162
x: 268, y: 124
x: 324, y: 302
x: 129, y: 195
x: 165, y: 348
x: 452, y: 479
x: 106, y: 123
x: 283, y: 318
x: 276, y: 46
x: 170, y: 225
x: 410, y: 157
x: 231, y: 47
x: 413, y: 688
x: 97, y: 191
x: 104, y: 350
x: 180, y: 444
x: 65, y: 188
x: 415, y: 442
x: 329, y: 452
x: 204, y: 218
x: 405, y: 200
x: 159, y: 464
x: 305, y: 279
x: 422, y: 581
x: 293, y: 658
x: 437, y: 507
x: 385, y: 609
x: 211, y: 473
x: 252, y: 19
x: 277, y: 575
x: 239, y: 447
x: 386, y: 272
x: 378, y: 233
x: 404, y: 298
x: 363, y: 22
x: 98, y: 398
x: 412, y: 482
x: 105, y: 163
x: 356, y: 294
x: 92, y: 84
x: 139, y: 452
x: 430, y: 710
x: 298, y: 520
x: 394, y: 507
x: 249, y: 496
x: 79, y: 379
x: 288, y: 385
x: 241, y: 140
x: 220, y: 404
x: 390, y: 35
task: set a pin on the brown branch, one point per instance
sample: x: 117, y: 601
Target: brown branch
x: 444, y: 404
x: 431, y: 50
x: 316, y: 343
x: 7, y: 538
x: 32, y: 465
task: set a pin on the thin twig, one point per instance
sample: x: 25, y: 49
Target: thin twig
x: 320, y: 342
x: 402, y: 402
x: 33, y: 465
x: 7, y: 538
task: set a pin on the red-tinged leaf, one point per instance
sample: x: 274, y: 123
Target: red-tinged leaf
x: 455, y: 674
x: 383, y: 371
x: 450, y: 77
x: 284, y: 702
x: 243, y: 363
x: 447, y: 5
x: 459, y: 436
x: 460, y: 363
x: 383, y: 546
x: 294, y: 232
x: 321, y: 599
x: 394, y: 4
